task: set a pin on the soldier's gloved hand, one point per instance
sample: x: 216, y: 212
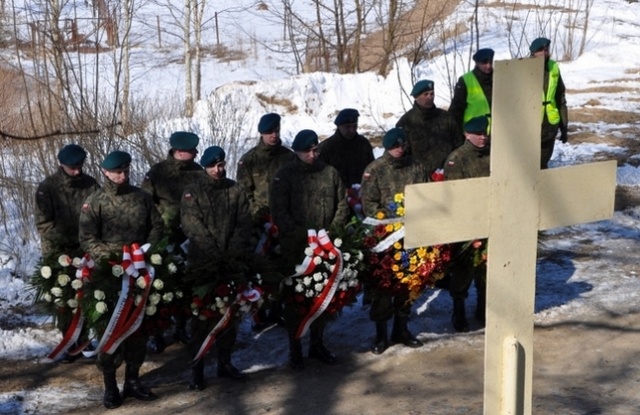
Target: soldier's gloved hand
x: 563, y: 136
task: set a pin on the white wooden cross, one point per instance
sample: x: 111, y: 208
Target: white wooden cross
x: 509, y: 208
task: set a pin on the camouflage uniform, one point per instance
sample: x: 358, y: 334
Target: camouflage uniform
x: 255, y: 172
x: 305, y: 197
x: 165, y: 182
x: 111, y: 217
x: 58, y: 201
x: 382, y: 180
x: 348, y: 156
x: 466, y: 162
x: 433, y: 134
x: 215, y: 217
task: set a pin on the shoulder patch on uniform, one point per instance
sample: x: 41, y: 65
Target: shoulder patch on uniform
x: 276, y: 179
x: 85, y: 206
x: 40, y: 192
x: 451, y: 163
x: 366, y: 176
x: 188, y: 196
x: 240, y: 163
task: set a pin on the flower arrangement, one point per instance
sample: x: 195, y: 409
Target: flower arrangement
x: 394, y: 268
x: 135, y: 288
x: 477, y: 251
x: 57, y: 288
x: 326, y: 280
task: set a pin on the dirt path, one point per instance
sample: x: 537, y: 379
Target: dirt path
x: 587, y: 366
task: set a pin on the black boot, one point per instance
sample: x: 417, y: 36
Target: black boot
x: 295, y: 352
x: 317, y: 350
x: 401, y: 333
x: 481, y: 307
x: 458, y: 318
x: 111, y: 397
x: 382, y: 341
x: 133, y: 387
x: 225, y: 368
x: 197, y: 376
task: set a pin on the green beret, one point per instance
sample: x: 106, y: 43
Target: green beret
x: 269, y: 123
x: 72, y: 155
x: 116, y: 160
x: 212, y: 155
x: 347, y: 116
x: 304, y: 140
x: 483, y: 55
x: 477, y: 125
x: 182, y: 140
x: 421, y: 86
x: 393, y: 138
x: 539, y: 44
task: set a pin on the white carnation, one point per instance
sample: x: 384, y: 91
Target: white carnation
x: 343, y: 286
x: 332, y: 255
x: 158, y: 284
x: 99, y: 295
x: 63, y: 279
x: 310, y: 294
x: 306, y: 281
x: 317, y: 276
x: 117, y: 270
x: 337, y: 243
x: 150, y: 310
x: 73, y: 303
x: 154, y: 298
x: 308, y: 251
x: 77, y: 284
x: 318, y: 287
x: 317, y: 260
x: 172, y: 268
x: 76, y: 262
x: 167, y: 297
x: 58, y: 302
x: 64, y: 260
x: 360, y: 256
x: 137, y: 300
x: 156, y: 259
x: 45, y: 272
x: 352, y: 283
x: 141, y: 282
x: 299, y: 288
x: 56, y: 291
x: 47, y: 297
x: 346, y: 256
x: 179, y: 294
x: 101, y: 307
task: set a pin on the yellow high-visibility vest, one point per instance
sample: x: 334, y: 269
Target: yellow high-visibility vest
x: 549, y: 100
x: 477, y: 102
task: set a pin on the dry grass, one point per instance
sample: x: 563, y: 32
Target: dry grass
x: 593, y: 115
x: 285, y: 103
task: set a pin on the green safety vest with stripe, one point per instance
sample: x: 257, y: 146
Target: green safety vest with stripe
x: 477, y: 102
x: 549, y: 100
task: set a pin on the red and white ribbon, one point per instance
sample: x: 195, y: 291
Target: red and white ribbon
x: 321, y: 302
x: 391, y: 239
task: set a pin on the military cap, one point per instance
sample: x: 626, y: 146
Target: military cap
x: 72, y: 155
x: 116, y: 160
x: 393, y: 138
x: 347, y: 116
x: 421, y: 86
x: 477, y: 125
x: 212, y: 155
x: 183, y: 140
x: 268, y: 123
x: 304, y: 140
x: 483, y: 55
x: 539, y: 44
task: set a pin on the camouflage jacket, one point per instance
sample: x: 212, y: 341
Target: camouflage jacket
x: 117, y: 215
x: 215, y: 217
x: 307, y: 196
x: 57, y: 210
x: 349, y: 157
x: 466, y: 162
x: 386, y: 177
x: 255, y: 171
x: 432, y: 133
x: 165, y: 182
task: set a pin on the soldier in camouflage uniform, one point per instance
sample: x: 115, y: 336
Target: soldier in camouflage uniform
x: 165, y: 182
x: 432, y: 132
x: 215, y: 217
x: 305, y: 194
x: 58, y: 201
x: 120, y: 214
x: 346, y: 150
x: 382, y: 180
x: 57, y: 210
x: 470, y: 160
x: 254, y: 173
